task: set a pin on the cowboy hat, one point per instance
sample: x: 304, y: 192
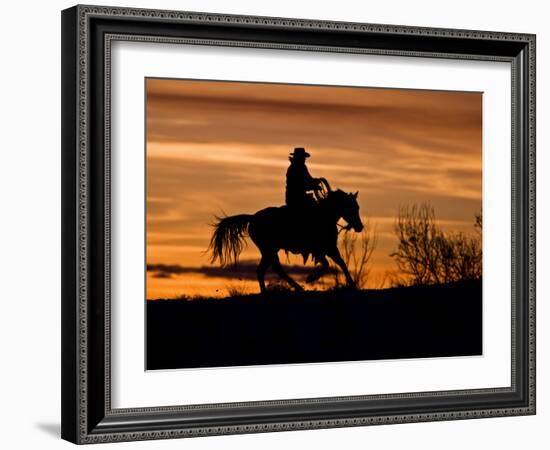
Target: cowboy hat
x: 300, y: 151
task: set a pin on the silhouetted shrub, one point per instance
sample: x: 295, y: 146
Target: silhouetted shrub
x: 427, y: 255
x: 356, y: 250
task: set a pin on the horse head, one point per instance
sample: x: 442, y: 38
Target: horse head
x: 346, y: 206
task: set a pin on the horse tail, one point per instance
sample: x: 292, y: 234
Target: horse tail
x: 228, y: 239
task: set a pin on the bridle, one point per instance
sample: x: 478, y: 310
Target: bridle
x: 322, y: 194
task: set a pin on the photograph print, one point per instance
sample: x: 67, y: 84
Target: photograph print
x: 291, y: 224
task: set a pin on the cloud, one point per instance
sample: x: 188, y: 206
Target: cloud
x: 221, y: 148
x: 245, y: 270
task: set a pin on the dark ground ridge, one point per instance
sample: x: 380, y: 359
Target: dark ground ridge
x: 316, y: 326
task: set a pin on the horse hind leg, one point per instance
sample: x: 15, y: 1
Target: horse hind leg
x: 280, y: 271
x: 265, y: 262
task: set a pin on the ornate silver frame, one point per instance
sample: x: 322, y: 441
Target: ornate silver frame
x: 88, y: 32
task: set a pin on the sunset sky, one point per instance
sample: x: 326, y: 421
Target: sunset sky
x: 222, y: 147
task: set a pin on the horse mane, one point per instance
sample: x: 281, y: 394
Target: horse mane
x: 333, y: 195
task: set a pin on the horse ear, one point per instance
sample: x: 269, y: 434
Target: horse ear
x: 356, y: 194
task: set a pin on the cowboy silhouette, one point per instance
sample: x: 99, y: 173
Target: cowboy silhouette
x: 306, y: 225
x: 299, y: 181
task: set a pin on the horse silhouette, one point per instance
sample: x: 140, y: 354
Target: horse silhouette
x: 312, y: 231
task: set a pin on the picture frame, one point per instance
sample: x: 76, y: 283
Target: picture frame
x: 87, y: 413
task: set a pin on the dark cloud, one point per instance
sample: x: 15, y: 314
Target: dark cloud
x: 236, y: 112
x: 244, y: 270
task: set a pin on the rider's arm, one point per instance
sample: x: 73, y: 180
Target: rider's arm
x: 310, y: 182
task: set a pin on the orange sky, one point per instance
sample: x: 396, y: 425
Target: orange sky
x: 216, y: 147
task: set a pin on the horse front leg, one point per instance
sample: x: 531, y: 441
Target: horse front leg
x: 285, y: 276
x: 337, y: 258
x: 318, y: 272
